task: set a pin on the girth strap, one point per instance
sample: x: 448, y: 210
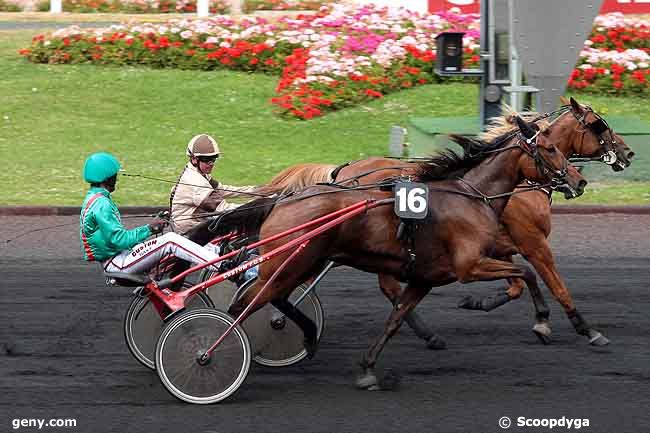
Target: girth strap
x: 406, y: 232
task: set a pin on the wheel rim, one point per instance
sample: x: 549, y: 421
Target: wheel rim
x: 184, y: 339
x: 273, y: 347
x: 142, y: 326
x: 281, y: 346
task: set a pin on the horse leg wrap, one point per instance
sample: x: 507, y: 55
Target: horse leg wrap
x: 543, y: 315
x: 578, y: 322
x: 308, y: 327
x: 417, y: 325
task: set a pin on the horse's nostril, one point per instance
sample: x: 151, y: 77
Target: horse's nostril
x: 582, y: 184
x: 630, y: 155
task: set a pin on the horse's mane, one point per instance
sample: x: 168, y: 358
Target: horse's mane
x: 505, y: 124
x: 299, y: 176
x: 449, y: 164
x: 246, y: 220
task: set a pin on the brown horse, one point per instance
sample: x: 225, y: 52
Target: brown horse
x: 525, y: 223
x: 467, y: 196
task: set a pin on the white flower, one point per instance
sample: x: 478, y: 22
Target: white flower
x: 186, y: 34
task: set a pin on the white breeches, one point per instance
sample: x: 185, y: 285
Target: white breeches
x: 146, y: 255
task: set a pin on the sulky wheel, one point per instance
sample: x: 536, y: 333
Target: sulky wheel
x: 276, y: 340
x: 142, y: 326
x: 178, y: 357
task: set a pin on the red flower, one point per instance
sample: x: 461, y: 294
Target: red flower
x: 258, y: 48
x: 226, y: 61
x: 373, y: 93
x: 639, y: 76
x: 618, y: 84
x: 254, y: 61
x: 598, y: 39
x: 190, y: 52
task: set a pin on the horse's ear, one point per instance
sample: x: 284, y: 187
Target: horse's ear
x: 564, y: 100
x: 577, y: 108
x: 526, y: 128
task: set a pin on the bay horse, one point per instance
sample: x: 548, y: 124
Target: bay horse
x: 525, y: 223
x: 467, y: 196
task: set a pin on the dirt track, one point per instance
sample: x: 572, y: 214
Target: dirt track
x: 63, y: 354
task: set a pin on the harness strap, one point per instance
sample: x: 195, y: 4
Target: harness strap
x: 84, y: 239
x: 406, y: 231
x: 336, y: 171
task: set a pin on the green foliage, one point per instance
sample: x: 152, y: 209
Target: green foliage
x: 7, y: 6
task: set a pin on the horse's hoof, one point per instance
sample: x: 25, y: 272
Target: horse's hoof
x: 311, y: 346
x: 467, y: 303
x: 599, y: 340
x: 390, y: 381
x: 436, y: 343
x: 543, y: 332
x: 368, y: 382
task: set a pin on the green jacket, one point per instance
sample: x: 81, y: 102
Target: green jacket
x: 101, y: 231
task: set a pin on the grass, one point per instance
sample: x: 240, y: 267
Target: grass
x: 52, y: 117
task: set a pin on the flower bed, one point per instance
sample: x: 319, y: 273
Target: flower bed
x: 338, y: 57
x: 616, y: 57
x: 283, y: 5
x: 135, y: 6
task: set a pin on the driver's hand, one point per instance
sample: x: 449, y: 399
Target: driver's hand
x: 158, y: 225
x: 163, y: 214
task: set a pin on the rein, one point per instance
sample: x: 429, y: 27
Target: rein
x: 354, y: 179
x: 189, y: 184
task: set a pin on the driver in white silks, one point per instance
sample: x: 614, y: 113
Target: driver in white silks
x: 196, y: 195
x: 104, y: 239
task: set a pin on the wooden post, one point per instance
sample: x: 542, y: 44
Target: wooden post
x: 236, y: 7
x: 56, y: 6
x: 202, y: 8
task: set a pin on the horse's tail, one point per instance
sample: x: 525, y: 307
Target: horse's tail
x: 300, y: 176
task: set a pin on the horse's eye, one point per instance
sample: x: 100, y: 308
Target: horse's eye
x: 551, y: 149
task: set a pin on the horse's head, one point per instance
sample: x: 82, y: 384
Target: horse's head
x: 548, y: 163
x: 597, y: 140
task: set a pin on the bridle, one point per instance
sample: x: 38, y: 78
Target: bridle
x: 599, y: 128
x: 531, y: 148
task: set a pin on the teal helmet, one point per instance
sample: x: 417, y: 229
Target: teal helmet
x: 100, y: 166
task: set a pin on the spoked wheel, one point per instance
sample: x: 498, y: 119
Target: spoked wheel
x: 178, y: 357
x: 276, y: 340
x: 143, y: 325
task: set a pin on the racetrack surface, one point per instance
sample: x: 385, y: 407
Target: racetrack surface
x: 63, y: 355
